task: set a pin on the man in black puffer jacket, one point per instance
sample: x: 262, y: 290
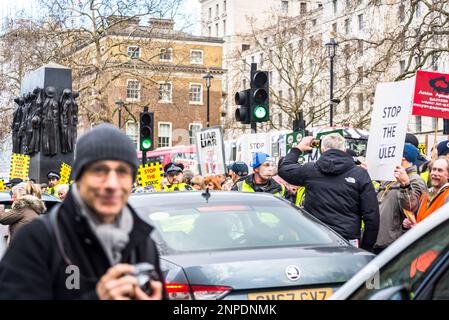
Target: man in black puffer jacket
x: 337, y: 192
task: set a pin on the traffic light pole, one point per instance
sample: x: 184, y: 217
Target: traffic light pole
x: 144, y: 158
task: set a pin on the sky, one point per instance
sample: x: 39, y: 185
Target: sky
x: 190, y: 10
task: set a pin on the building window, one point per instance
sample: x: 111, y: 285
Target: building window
x: 164, y: 134
x: 290, y: 94
x: 360, y: 46
x: 434, y: 123
x: 245, y: 47
x: 347, y: 79
x: 261, y: 59
x: 280, y: 95
x: 270, y: 76
x: 132, y: 90
x: 196, y: 93
x: 347, y: 26
x: 280, y: 120
x: 244, y: 83
x: 314, y: 22
x: 216, y: 30
x: 401, y: 66
x: 210, y: 13
x: 224, y: 6
x: 210, y: 31
x: 253, y: 59
x: 401, y: 13
x: 360, y: 74
x: 217, y: 10
x: 193, y: 129
x: 418, y: 124
x: 224, y: 28
x: 284, y: 7
x: 196, y: 56
x: 334, y: 27
x: 434, y: 62
x: 244, y: 64
x: 166, y: 54
x: 361, y: 23
x: 132, y: 132
x: 165, y: 92
x: 303, y: 8
x: 418, y: 10
x: 347, y: 105
x: 360, y: 98
x: 334, y: 5
x: 133, y: 52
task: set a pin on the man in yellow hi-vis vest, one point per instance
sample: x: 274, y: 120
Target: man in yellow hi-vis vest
x: 261, y: 180
x: 175, y: 178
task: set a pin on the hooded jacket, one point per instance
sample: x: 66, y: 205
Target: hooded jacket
x: 33, y: 267
x: 337, y: 192
x: 24, y: 210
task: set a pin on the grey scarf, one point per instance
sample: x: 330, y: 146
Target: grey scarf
x: 115, y: 236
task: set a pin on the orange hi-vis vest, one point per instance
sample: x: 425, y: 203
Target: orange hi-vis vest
x: 426, y: 208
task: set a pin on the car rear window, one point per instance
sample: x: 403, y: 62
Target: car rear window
x: 219, y: 226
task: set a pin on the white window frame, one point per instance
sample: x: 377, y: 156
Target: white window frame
x: 170, y: 137
x: 192, y: 137
x: 201, y: 93
x: 171, y: 91
x: 130, y: 52
x: 202, y: 56
x: 137, y: 132
x: 171, y: 54
x: 138, y: 90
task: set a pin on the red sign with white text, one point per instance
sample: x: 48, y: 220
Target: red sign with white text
x: 431, y: 96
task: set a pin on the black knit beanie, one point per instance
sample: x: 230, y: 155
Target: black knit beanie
x: 103, y: 142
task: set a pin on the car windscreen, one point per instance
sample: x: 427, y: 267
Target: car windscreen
x: 186, y: 227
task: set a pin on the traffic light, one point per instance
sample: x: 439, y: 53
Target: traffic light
x: 146, y: 130
x: 242, y: 113
x: 259, y: 102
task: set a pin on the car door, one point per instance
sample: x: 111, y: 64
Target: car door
x: 436, y: 286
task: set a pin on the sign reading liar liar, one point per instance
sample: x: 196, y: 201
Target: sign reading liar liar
x: 388, y: 128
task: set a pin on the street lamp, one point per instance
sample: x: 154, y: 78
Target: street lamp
x: 208, y: 77
x: 119, y: 103
x: 331, y: 50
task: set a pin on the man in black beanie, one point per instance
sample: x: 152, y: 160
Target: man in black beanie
x: 86, y: 248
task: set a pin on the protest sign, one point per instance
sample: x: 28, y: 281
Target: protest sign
x: 388, y: 128
x: 422, y: 148
x: 253, y: 143
x: 64, y: 173
x: 150, y: 174
x: 293, y: 138
x: 210, y: 151
x: 2, y: 185
x: 191, y: 165
x: 20, y: 165
x: 431, y: 96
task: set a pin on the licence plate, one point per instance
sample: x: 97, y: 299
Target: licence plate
x: 305, y: 294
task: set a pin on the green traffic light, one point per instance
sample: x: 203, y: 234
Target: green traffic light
x: 146, y: 144
x: 260, y: 112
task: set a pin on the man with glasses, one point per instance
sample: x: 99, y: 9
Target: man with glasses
x: 87, y: 247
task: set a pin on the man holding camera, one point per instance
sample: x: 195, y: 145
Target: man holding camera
x: 337, y: 191
x: 90, y: 246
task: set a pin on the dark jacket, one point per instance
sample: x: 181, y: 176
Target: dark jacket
x: 270, y: 187
x: 24, y: 209
x: 33, y: 268
x: 337, y: 192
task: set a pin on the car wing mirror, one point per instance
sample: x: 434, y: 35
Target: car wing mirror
x: 393, y: 293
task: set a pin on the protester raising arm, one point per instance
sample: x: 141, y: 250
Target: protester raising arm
x: 289, y: 169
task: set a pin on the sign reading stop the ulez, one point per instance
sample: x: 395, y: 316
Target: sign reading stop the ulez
x: 431, y: 96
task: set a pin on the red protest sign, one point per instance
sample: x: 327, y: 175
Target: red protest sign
x: 431, y: 96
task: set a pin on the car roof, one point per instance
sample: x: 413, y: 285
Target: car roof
x: 6, y: 197
x: 427, y: 225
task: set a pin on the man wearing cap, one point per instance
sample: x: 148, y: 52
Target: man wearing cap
x: 86, y: 247
x: 175, y: 178
x: 337, y: 191
x: 395, y: 196
x: 261, y: 180
x: 53, y: 181
x: 237, y: 172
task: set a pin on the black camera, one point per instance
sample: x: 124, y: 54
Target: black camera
x: 145, y: 272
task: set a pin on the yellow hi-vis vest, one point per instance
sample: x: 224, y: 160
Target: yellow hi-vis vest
x: 177, y: 187
x: 300, y: 197
x: 425, y: 175
x: 245, y: 187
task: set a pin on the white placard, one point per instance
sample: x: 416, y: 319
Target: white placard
x: 210, y: 151
x: 388, y: 128
x: 253, y: 143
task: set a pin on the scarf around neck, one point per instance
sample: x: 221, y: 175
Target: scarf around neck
x: 113, y: 236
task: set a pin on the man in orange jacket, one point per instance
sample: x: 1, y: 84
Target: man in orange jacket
x: 437, y: 196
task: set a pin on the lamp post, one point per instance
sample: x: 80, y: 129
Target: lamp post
x: 119, y: 103
x: 208, y: 77
x: 331, y: 49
